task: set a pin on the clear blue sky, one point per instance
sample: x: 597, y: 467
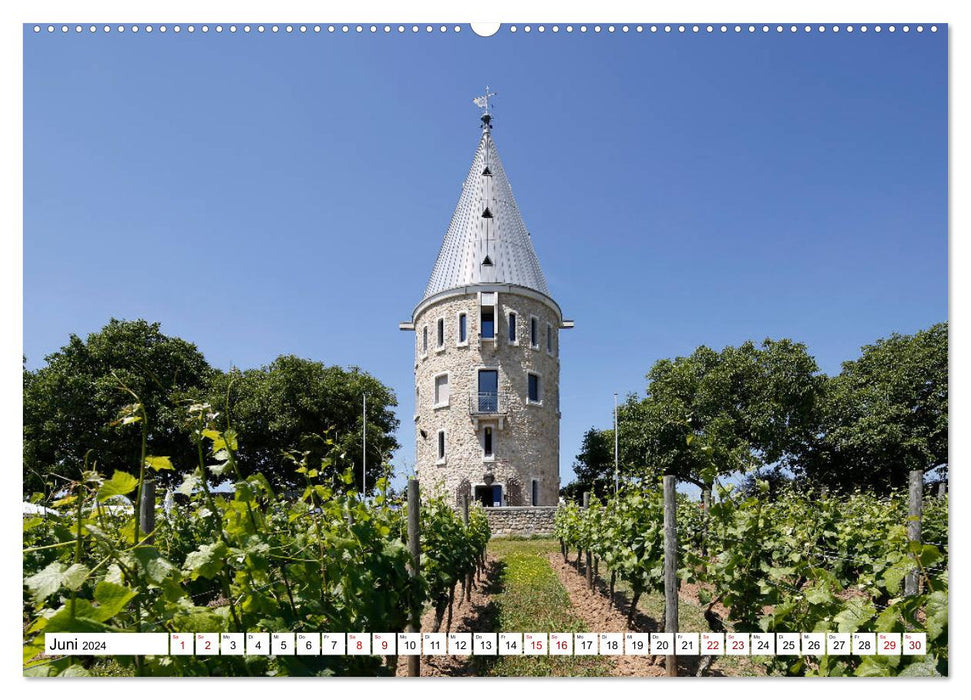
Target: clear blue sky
x: 269, y: 194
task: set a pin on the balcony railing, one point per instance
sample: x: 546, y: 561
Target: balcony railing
x: 486, y: 404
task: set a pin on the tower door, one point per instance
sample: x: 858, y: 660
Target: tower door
x: 483, y: 494
x: 489, y: 496
x: 488, y: 390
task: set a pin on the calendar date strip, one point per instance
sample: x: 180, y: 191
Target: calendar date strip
x: 486, y: 644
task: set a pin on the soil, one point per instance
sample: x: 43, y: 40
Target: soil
x: 475, y: 615
x: 594, y: 608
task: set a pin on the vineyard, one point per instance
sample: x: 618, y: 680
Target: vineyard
x: 795, y: 562
x: 322, y: 559
x: 325, y: 558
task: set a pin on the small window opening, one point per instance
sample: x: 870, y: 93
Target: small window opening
x: 463, y: 328
x: 487, y: 261
x: 441, y: 390
x: 534, y: 388
x: 487, y: 442
x: 512, y: 328
x: 487, y: 214
x: 487, y: 172
x: 441, y: 332
x: 441, y: 444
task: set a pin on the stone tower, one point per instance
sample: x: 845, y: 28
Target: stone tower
x: 487, y: 352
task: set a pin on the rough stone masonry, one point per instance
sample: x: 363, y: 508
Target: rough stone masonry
x: 523, y: 521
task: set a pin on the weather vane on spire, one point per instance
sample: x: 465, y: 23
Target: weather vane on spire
x: 482, y: 102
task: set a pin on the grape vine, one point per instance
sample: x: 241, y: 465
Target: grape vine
x: 796, y: 562
x: 245, y: 560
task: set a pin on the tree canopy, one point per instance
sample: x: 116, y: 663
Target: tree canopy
x: 885, y: 414
x: 292, y: 404
x: 768, y: 408
x: 715, y: 413
x: 71, y: 402
x: 594, y: 466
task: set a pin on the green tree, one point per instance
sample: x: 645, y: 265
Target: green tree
x: 884, y: 415
x: 716, y: 413
x: 593, y: 466
x: 71, y: 402
x: 301, y: 405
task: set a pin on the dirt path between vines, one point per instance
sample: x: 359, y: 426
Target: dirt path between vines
x: 593, y: 607
x: 475, y: 615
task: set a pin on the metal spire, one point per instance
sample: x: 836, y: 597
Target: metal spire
x: 487, y: 241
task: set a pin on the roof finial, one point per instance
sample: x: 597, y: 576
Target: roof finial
x: 482, y: 102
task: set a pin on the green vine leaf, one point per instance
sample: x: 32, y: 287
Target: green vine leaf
x: 46, y: 582
x: 205, y: 562
x: 111, y: 599
x: 159, y: 463
x: 120, y: 484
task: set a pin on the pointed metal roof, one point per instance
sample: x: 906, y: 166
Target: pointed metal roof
x: 487, y: 241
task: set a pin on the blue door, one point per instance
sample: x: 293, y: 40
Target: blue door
x: 496, y: 495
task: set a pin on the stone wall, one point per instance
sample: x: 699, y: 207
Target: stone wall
x: 525, y: 435
x: 523, y: 521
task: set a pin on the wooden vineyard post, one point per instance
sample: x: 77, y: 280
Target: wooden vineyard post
x: 913, y: 525
x: 706, y: 514
x: 670, y: 569
x: 414, y: 546
x: 589, y: 574
x: 147, y: 509
x: 467, y: 586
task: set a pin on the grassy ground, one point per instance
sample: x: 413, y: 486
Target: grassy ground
x: 533, y: 599
x: 530, y: 598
